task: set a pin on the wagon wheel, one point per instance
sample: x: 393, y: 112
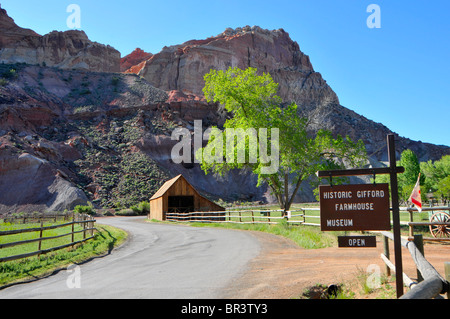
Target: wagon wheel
x: 440, y: 231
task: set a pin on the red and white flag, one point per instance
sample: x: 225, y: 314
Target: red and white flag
x: 415, y: 197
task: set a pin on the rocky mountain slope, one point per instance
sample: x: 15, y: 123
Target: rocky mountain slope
x: 67, y: 50
x: 73, y: 131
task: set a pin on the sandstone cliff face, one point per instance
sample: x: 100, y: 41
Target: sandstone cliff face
x: 182, y: 67
x: 133, y: 62
x: 67, y: 50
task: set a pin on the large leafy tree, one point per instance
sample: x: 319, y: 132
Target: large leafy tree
x: 260, y: 121
x: 437, y: 177
x: 407, y: 180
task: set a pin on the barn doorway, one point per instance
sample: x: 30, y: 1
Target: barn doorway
x: 181, y: 204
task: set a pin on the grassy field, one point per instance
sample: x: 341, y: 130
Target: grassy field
x: 104, y: 240
x: 30, y: 247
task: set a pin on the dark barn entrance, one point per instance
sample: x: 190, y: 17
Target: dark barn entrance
x: 181, y: 204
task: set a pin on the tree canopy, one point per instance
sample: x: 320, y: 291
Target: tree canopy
x: 437, y: 177
x: 260, y: 122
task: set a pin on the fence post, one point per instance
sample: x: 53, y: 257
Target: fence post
x: 84, y: 226
x: 253, y: 218
x: 418, y: 241
x: 447, y: 275
x: 386, y: 253
x: 40, y: 237
x: 73, y: 227
x: 411, y: 227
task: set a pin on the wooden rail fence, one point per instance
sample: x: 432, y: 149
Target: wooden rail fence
x: 445, y: 230
x: 431, y: 285
x: 253, y: 216
x: 85, y: 220
x: 26, y: 218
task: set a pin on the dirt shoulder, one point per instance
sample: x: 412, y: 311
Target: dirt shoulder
x: 283, y: 270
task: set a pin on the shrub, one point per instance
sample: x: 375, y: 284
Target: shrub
x: 80, y: 209
x: 126, y: 212
x: 135, y: 209
x: 144, y: 207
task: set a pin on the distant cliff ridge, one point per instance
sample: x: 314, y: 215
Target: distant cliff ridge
x: 67, y: 50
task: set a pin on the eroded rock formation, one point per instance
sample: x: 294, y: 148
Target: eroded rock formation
x: 68, y: 50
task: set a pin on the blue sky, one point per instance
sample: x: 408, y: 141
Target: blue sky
x: 396, y: 75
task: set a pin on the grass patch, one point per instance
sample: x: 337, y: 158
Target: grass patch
x: 363, y: 286
x: 31, y: 247
x: 105, y: 239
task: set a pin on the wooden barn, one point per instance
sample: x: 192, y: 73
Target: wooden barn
x: 177, y: 195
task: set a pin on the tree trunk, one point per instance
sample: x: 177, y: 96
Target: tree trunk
x: 297, y: 186
x: 286, y: 193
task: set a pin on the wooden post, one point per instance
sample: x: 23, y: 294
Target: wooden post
x: 447, y: 275
x: 418, y: 241
x: 84, y: 226
x: 411, y: 227
x: 73, y: 227
x: 387, y: 254
x: 40, y: 236
x: 268, y: 214
x: 395, y: 215
x: 253, y: 218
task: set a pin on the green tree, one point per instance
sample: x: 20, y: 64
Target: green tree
x: 437, y: 177
x: 407, y: 180
x: 261, y: 121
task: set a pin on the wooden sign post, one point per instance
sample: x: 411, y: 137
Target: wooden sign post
x: 347, y: 206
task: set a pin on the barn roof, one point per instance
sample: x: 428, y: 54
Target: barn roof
x: 165, y: 187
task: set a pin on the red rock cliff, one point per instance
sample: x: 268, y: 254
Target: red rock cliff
x: 133, y: 62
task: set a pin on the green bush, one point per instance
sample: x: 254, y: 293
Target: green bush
x: 126, y: 212
x: 143, y: 208
x: 135, y: 209
x: 80, y: 209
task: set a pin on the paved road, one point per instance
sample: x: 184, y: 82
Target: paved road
x: 158, y: 261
